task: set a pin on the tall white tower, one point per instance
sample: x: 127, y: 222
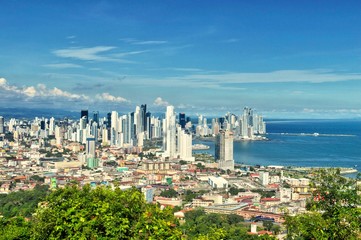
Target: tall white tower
x: 184, y: 145
x: 169, y: 133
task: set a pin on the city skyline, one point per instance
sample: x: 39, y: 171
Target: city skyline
x: 287, y: 60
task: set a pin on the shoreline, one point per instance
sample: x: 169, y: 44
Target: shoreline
x: 343, y: 170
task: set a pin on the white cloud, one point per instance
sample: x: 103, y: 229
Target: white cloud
x: 87, y: 54
x: 160, y: 102
x: 41, y: 91
x: 313, y: 76
x: 229, y: 80
x: 110, y: 98
x: 63, y: 65
x: 141, y: 42
x: 149, y: 42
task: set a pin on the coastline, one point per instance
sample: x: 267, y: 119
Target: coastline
x: 343, y: 170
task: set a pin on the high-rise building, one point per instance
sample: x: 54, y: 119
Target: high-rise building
x: 184, y: 145
x: 2, y: 125
x: 169, y: 133
x: 182, y: 120
x: 224, y: 150
x: 90, y: 147
x: 84, y: 113
x: 109, y: 120
x: 42, y: 124
x: 51, y: 126
x: 96, y: 117
x: 143, y: 117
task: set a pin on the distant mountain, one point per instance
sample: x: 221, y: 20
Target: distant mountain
x: 35, y: 112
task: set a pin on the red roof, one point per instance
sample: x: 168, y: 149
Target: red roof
x: 270, y: 199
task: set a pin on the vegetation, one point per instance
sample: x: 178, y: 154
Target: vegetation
x: 182, y: 162
x: 334, y: 210
x: 169, y: 193
x: 189, y: 195
x: 22, y: 203
x: 151, y: 144
x: 264, y: 193
x: 100, y: 213
x: 200, y: 225
x: 234, y: 191
x: 204, y: 157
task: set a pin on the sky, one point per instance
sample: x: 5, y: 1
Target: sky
x: 285, y: 59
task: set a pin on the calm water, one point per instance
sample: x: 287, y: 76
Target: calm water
x: 340, y: 147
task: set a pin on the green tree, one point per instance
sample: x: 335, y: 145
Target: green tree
x: 234, y: 191
x: 334, y: 210
x: 22, y: 203
x: 182, y: 162
x: 189, y: 195
x: 102, y: 213
x: 169, y: 193
x: 15, y: 228
x: 234, y: 219
x: 267, y: 225
x: 37, y: 178
x: 276, y: 229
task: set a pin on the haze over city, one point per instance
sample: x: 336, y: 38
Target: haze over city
x: 285, y: 59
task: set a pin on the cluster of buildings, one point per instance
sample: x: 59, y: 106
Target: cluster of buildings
x: 116, y: 150
x: 247, y: 126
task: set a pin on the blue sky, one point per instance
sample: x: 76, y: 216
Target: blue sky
x: 283, y: 58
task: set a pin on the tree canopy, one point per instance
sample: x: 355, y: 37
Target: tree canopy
x: 22, y: 203
x: 200, y: 225
x: 334, y: 210
x: 99, y: 213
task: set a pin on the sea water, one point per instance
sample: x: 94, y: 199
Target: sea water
x: 308, y: 143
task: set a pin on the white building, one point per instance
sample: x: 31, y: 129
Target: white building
x: 264, y: 177
x: 169, y: 133
x: 217, y: 182
x: 185, y: 145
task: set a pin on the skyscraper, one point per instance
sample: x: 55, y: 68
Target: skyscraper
x: 90, y: 147
x: 96, y: 116
x: 169, y: 133
x: 224, y: 150
x: 184, y: 145
x: 182, y: 120
x: 143, y: 117
x: 84, y: 113
x: 2, y: 130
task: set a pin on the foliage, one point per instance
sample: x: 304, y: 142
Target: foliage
x: 334, y: 210
x: 169, y: 193
x: 267, y: 225
x: 202, y: 226
x: 14, y: 228
x: 22, y: 203
x: 234, y: 219
x: 37, y: 178
x: 189, y: 195
x: 264, y: 194
x: 102, y: 213
x: 234, y: 191
x: 276, y: 229
x: 200, y: 166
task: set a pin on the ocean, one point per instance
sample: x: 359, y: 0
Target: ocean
x: 306, y: 143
